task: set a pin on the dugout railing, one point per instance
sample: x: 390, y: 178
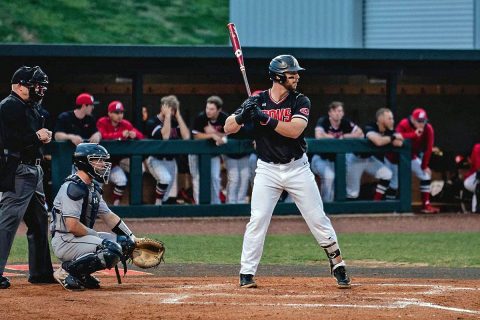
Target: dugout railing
x: 137, y: 150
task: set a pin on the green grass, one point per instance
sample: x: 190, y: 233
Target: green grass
x: 429, y: 249
x: 193, y: 22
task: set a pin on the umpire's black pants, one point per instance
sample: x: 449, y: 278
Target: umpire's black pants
x: 27, y: 203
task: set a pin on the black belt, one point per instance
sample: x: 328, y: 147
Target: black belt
x: 288, y: 161
x: 31, y: 162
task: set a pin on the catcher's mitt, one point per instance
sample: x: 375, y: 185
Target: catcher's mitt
x: 148, y: 253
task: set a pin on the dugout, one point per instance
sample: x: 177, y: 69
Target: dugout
x: 444, y: 82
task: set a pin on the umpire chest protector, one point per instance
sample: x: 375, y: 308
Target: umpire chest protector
x: 78, y: 190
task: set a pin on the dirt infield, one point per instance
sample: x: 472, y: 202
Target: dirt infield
x: 221, y: 298
x: 285, y: 292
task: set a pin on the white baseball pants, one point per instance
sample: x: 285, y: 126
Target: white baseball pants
x: 270, y: 180
x: 325, y: 169
x: 238, y: 173
x: 215, y: 176
x: 357, y: 165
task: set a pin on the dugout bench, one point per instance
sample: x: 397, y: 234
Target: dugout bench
x: 137, y: 150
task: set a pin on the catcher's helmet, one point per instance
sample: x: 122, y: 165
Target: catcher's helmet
x: 281, y: 64
x: 90, y: 157
x: 34, y: 79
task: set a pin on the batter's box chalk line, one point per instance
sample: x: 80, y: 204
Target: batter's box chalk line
x: 392, y: 303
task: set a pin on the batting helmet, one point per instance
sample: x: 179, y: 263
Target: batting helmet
x: 281, y: 64
x: 90, y: 157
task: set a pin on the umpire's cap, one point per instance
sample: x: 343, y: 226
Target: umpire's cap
x: 281, y: 64
x: 22, y: 75
x: 29, y: 75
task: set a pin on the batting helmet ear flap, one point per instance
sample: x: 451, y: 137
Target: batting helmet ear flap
x: 278, y: 77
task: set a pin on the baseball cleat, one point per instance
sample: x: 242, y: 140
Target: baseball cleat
x: 4, y: 282
x: 343, y: 281
x: 90, y: 282
x: 70, y: 283
x: 60, y: 274
x: 247, y: 281
x: 430, y: 209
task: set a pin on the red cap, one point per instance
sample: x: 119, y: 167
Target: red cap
x: 419, y: 114
x: 115, y: 106
x: 85, y: 98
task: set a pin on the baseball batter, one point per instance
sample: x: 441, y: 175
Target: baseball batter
x: 77, y: 205
x: 280, y: 116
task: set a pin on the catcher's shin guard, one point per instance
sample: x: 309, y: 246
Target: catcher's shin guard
x: 107, y: 256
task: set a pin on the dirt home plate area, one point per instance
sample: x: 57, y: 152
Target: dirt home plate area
x: 284, y: 292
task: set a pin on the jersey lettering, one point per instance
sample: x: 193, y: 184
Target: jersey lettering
x: 284, y: 114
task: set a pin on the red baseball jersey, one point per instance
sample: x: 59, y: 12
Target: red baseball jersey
x: 422, y: 143
x: 109, y: 132
x: 475, y: 160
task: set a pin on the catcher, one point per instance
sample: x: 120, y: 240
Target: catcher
x: 81, y: 249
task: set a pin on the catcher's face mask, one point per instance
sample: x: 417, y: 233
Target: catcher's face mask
x: 101, y: 168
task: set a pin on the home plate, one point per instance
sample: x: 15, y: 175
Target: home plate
x: 106, y: 272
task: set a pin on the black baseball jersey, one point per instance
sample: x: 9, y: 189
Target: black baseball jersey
x: 67, y: 122
x: 373, y: 127
x: 272, y: 146
x: 153, y: 128
x: 324, y: 124
x: 201, y: 121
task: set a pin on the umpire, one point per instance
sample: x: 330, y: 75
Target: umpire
x: 24, y: 134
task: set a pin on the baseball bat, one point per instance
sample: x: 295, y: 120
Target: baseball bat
x: 237, y: 49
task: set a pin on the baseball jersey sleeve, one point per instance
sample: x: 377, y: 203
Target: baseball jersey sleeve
x: 369, y: 129
x: 198, y: 124
x: 319, y: 127
x: 61, y: 124
x: 69, y: 207
x: 475, y: 157
x: 130, y: 127
x: 406, y: 130
x: 103, y: 208
x: 347, y: 125
x: 302, y: 108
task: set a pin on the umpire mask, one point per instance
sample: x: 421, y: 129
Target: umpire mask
x: 37, y: 85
